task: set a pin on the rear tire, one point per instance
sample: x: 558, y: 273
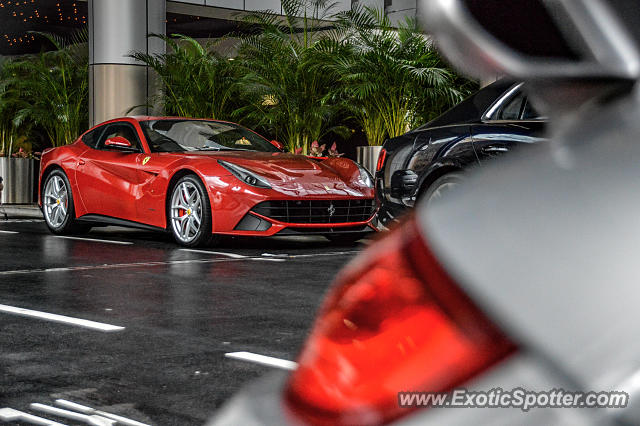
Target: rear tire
x: 58, y: 207
x: 439, y: 187
x: 189, y: 212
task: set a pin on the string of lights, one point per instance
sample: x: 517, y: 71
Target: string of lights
x: 19, y: 17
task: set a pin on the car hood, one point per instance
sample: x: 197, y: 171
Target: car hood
x: 297, y: 175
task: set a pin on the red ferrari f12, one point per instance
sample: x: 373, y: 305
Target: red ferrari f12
x: 200, y: 179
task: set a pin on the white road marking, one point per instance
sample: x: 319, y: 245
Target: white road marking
x: 9, y: 232
x: 92, y: 325
x: 163, y: 263
x: 263, y: 360
x: 275, y: 255
x: 88, y: 410
x: 95, y: 240
x: 333, y: 253
x: 231, y: 255
x: 11, y: 415
x: 92, y: 420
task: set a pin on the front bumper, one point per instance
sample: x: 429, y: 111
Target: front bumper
x: 253, y: 224
x: 238, y: 209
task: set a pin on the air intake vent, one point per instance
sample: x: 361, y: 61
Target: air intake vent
x: 317, y: 211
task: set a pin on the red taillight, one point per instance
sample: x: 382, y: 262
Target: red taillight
x: 394, y: 322
x: 381, y: 158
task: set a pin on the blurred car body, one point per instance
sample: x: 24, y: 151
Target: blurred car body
x: 430, y: 160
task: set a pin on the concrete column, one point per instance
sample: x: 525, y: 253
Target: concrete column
x: 116, y: 29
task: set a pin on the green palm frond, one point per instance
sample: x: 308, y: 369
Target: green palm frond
x: 196, y: 80
x: 393, y: 77
x: 285, y: 86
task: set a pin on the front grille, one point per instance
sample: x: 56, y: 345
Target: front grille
x: 317, y: 211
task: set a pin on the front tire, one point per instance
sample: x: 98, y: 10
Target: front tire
x: 189, y: 212
x: 58, y: 206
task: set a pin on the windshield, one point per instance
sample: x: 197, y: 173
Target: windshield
x: 199, y: 135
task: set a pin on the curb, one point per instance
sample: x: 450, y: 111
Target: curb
x: 21, y: 211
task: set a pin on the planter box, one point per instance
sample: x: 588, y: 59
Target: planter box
x: 368, y: 157
x: 19, y: 180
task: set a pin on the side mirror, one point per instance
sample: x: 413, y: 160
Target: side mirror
x: 119, y: 143
x: 278, y: 145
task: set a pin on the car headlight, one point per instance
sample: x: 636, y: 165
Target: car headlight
x: 245, y: 175
x: 365, y: 177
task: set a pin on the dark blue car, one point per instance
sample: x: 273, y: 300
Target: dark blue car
x: 433, y: 158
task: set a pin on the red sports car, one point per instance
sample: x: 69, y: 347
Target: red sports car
x: 200, y: 179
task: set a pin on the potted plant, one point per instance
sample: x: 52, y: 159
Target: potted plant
x: 20, y: 177
x: 47, y: 92
x: 17, y: 165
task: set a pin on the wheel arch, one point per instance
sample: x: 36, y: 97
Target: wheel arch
x: 51, y: 167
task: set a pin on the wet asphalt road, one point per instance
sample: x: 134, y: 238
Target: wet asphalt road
x: 182, y: 311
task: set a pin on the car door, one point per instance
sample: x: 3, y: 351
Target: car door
x: 108, y: 178
x: 511, y: 124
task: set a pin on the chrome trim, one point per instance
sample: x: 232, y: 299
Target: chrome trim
x: 488, y: 115
x: 605, y: 47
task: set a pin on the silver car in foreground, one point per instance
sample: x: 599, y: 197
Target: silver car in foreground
x: 526, y: 277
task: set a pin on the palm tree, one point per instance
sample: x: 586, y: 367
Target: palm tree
x: 7, y: 129
x: 287, y: 95
x: 394, y: 76
x: 196, y: 80
x: 51, y: 89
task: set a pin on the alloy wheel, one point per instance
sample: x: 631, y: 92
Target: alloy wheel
x: 441, y: 190
x: 186, y: 211
x: 56, y: 201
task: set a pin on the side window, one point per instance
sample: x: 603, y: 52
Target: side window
x: 518, y: 108
x: 91, y: 138
x: 512, y: 109
x: 124, y: 130
x: 529, y: 113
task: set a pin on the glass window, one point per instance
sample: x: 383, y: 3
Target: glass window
x: 124, y: 130
x: 530, y: 113
x: 512, y: 109
x: 202, y: 135
x: 91, y: 138
x: 518, y: 108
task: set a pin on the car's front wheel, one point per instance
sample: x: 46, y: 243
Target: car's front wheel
x: 57, y: 205
x: 189, y: 212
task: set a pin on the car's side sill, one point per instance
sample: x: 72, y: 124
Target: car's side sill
x: 108, y: 220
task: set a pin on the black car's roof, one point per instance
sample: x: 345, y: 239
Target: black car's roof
x: 472, y: 108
